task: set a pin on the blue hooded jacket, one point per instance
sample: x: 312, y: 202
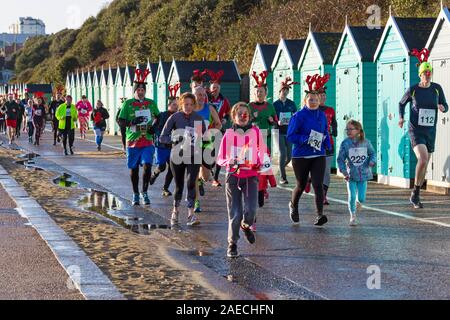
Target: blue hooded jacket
x: 300, y: 132
x: 354, y: 159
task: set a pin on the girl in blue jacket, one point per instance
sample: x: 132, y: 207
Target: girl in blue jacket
x: 308, y: 132
x: 355, y: 161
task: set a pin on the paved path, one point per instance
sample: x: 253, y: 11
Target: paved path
x: 410, y: 248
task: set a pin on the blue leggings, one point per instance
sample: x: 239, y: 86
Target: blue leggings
x: 99, y: 132
x: 356, y: 189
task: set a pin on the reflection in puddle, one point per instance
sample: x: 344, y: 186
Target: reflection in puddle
x: 65, y: 182
x: 28, y: 161
x: 111, y: 207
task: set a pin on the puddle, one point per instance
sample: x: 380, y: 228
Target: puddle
x: 201, y: 253
x: 28, y: 161
x: 64, y: 181
x: 113, y: 208
x: 29, y: 156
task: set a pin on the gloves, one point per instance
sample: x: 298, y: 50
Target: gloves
x: 151, y: 130
x: 137, y: 121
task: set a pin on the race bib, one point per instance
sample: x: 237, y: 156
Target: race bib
x: 243, y: 155
x: 285, y: 117
x: 358, y: 156
x: 68, y: 113
x: 83, y: 111
x: 427, y: 117
x: 315, y: 140
x: 144, y: 113
x: 38, y: 113
x: 267, y: 164
x: 190, y: 135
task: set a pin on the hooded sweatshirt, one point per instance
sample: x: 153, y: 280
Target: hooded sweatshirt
x: 354, y: 159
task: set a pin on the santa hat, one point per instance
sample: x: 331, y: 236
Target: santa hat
x: 141, y: 77
x: 288, y: 83
x: 199, y: 76
x: 422, y: 56
x: 261, y: 79
x: 39, y: 95
x: 216, y: 77
x: 173, y: 91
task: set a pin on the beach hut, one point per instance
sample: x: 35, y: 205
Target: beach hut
x: 285, y: 64
x: 152, y: 87
x: 97, y: 92
x: 90, y: 85
x: 356, y: 85
x: 396, y: 72
x: 128, y: 81
x: 438, y: 178
x: 182, y: 71
x: 103, y: 84
x: 113, y: 100
x: 83, y: 88
x: 262, y: 61
x: 70, y: 84
x: 162, y: 76
x: 45, y: 88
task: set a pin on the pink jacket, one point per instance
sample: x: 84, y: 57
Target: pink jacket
x: 84, y: 109
x: 247, y: 149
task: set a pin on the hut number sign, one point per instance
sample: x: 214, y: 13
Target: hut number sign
x: 315, y: 140
x: 358, y: 156
x: 427, y: 117
x: 285, y: 117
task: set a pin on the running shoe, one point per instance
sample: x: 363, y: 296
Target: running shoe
x: 249, y: 235
x: 136, y: 199
x: 193, y: 221
x: 216, y: 184
x: 66, y: 153
x: 147, y: 201
x: 201, y: 188
x: 153, y: 178
x: 293, y: 212
x: 308, y: 187
x: 197, y: 208
x: 359, y: 205
x: 99, y: 148
x: 166, y: 193
x: 284, y: 182
x: 174, y: 220
x: 415, y: 200
x: 71, y: 151
x: 321, y: 220
x: 253, y: 228
x: 353, y: 222
x: 232, y: 251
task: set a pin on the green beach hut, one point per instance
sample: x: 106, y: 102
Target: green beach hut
x: 262, y: 61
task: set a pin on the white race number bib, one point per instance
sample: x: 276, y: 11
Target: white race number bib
x: 315, y: 140
x: 144, y: 113
x: 38, y: 113
x: 427, y: 117
x: 285, y: 117
x: 190, y: 135
x: 83, y: 111
x: 267, y: 164
x: 358, y: 156
x: 243, y: 155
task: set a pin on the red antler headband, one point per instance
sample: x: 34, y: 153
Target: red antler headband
x: 174, y: 90
x: 422, y: 55
x: 199, y: 76
x: 39, y: 94
x: 310, y: 81
x: 216, y: 77
x: 288, y: 83
x: 321, y: 82
x: 260, y: 82
x: 141, y: 77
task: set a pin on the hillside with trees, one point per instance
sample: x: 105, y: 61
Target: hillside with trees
x: 137, y: 30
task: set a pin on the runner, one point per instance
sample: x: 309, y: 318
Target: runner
x: 242, y: 153
x: 285, y: 109
x: 20, y: 113
x: 38, y: 117
x: 137, y: 116
x: 163, y: 150
x: 123, y: 130
x: 308, y: 132
x: 84, y: 108
x: 263, y: 112
x: 11, y: 113
x: 2, y: 116
x: 223, y: 108
x: 356, y: 159
x: 198, y: 79
x: 29, y: 120
x: 332, y: 129
x: 186, y: 144
x: 67, y: 115
x: 211, y: 120
x: 53, y: 107
x: 426, y: 98
x: 99, y: 117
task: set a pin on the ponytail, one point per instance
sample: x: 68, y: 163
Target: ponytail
x: 358, y: 126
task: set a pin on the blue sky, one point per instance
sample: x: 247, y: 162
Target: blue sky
x: 57, y: 15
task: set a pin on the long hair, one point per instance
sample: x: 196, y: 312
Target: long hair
x: 186, y: 95
x: 236, y: 107
x: 358, y: 126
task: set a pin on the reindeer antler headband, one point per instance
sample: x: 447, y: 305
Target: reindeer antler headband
x: 216, y: 77
x: 173, y: 90
x: 288, y: 83
x: 261, y: 79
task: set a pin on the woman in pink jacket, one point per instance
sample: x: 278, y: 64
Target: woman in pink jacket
x: 84, y: 108
x: 242, y: 152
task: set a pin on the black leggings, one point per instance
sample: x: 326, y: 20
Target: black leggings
x: 303, y: 168
x: 217, y: 172
x: 68, y: 134
x: 55, y: 124
x: 146, y: 179
x: 179, y: 171
x: 123, y: 132
x: 169, y: 176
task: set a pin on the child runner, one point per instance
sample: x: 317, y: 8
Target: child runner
x: 356, y: 160
x: 163, y: 150
x: 241, y: 152
x: 38, y: 117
